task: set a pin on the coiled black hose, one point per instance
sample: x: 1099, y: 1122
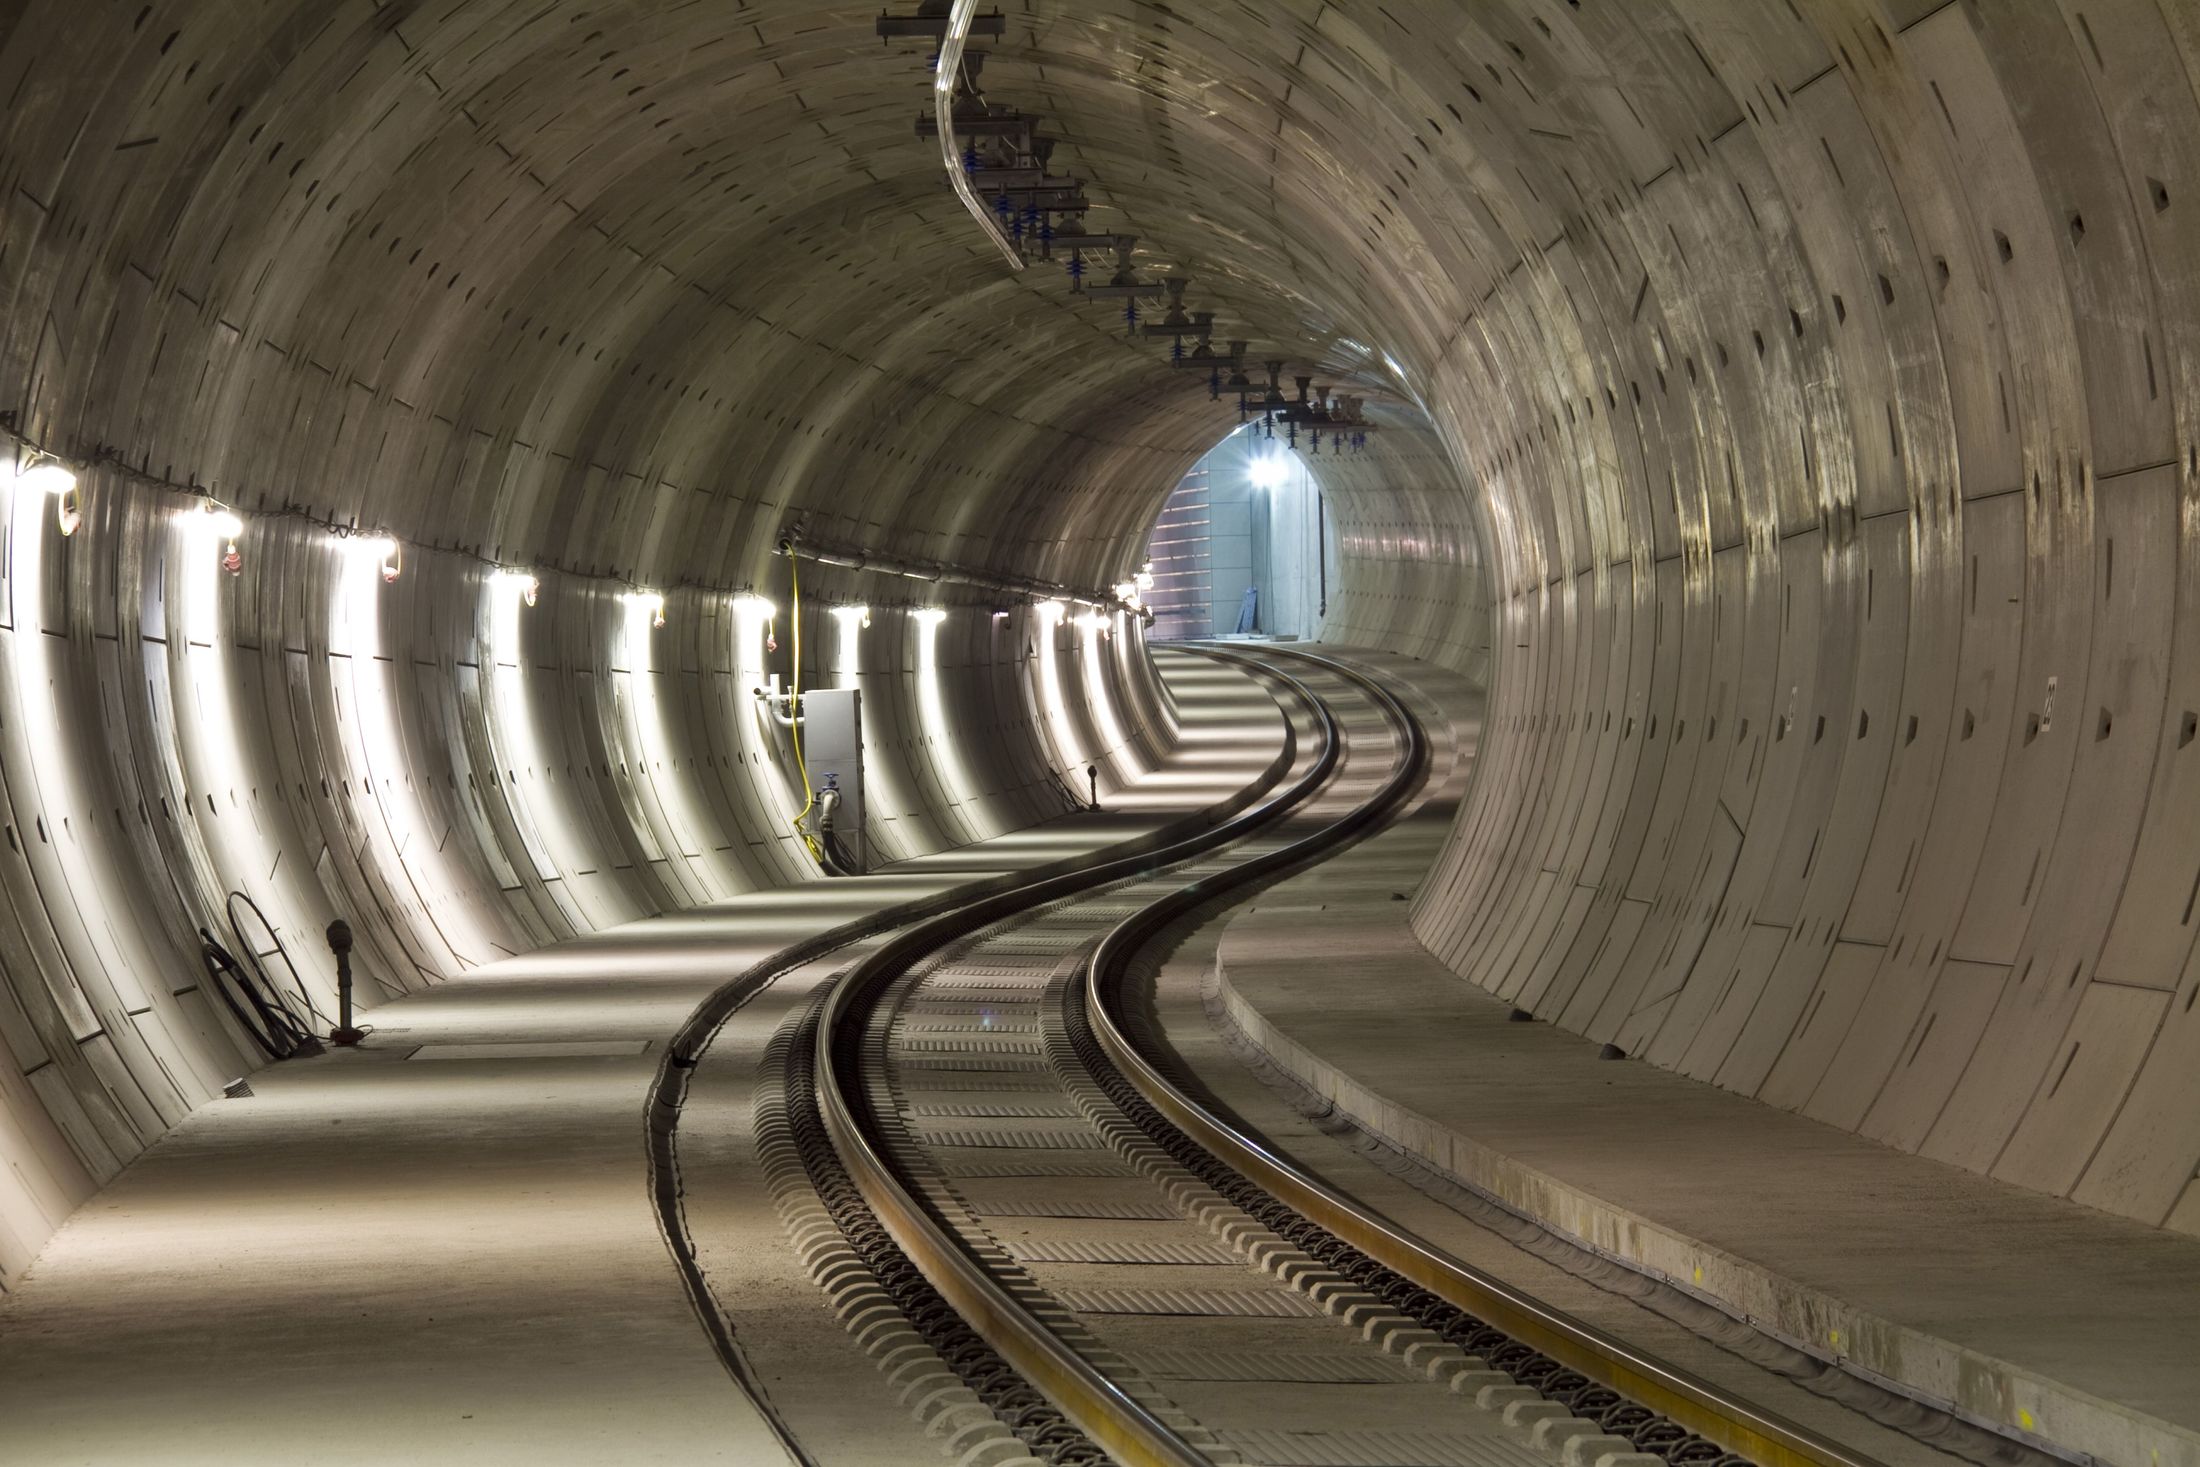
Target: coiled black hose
x: 263, y: 1012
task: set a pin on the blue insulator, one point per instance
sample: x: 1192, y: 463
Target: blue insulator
x: 1176, y: 350
x: 971, y: 161
x: 1076, y: 269
x: 1004, y: 208
x: 1130, y: 316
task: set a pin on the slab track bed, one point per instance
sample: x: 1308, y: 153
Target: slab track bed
x: 1057, y: 1255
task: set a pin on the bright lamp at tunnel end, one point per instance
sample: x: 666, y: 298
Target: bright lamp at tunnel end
x: 1268, y: 471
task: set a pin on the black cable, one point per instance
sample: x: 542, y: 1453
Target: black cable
x: 271, y: 1023
x: 837, y: 861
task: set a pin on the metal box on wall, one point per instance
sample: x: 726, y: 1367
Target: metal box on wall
x: 832, y: 745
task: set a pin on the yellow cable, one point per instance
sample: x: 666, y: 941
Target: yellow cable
x: 794, y: 709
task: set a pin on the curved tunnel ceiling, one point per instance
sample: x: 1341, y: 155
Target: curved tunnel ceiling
x: 1791, y: 406
x: 612, y: 288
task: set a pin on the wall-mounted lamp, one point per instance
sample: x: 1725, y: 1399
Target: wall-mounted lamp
x: 218, y: 524
x: 379, y: 551
x: 1051, y: 612
x: 518, y: 583
x: 751, y: 611
x: 43, y: 474
x: 651, y: 602
x: 851, y: 617
x: 929, y: 616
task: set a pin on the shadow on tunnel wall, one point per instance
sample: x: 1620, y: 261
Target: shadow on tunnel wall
x: 460, y: 774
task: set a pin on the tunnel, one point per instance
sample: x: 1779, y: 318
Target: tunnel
x: 1443, y: 731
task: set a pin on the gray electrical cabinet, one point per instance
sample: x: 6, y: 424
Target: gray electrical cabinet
x: 832, y: 745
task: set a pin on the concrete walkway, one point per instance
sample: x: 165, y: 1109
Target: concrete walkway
x: 2031, y: 1313
x: 441, y: 1247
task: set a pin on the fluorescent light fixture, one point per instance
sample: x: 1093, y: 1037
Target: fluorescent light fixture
x: 1094, y: 621
x: 1144, y: 579
x: 1051, y: 612
x: 646, y: 603
x: 379, y: 553
x: 751, y: 607
x: 853, y: 615
x: 929, y: 616
x: 522, y: 584
x: 45, y: 475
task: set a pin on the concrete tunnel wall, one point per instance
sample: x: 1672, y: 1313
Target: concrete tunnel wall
x: 1744, y: 372
x: 459, y: 777
x: 1836, y: 427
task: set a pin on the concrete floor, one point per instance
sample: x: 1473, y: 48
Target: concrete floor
x: 441, y: 1246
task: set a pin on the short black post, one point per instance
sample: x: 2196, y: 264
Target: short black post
x: 339, y: 943
x: 1092, y: 773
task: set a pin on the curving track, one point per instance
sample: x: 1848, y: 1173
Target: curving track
x: 1058, y: 1253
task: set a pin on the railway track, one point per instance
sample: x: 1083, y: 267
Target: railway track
x: 1058, y: 1254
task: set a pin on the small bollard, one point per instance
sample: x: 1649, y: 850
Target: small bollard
x: 339, y: 943
x: 1092, y: 773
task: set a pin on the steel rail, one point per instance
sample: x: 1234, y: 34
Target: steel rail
x: 667, y: 1102
x: 1096, y: 1405
x: 1681, y: 1396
